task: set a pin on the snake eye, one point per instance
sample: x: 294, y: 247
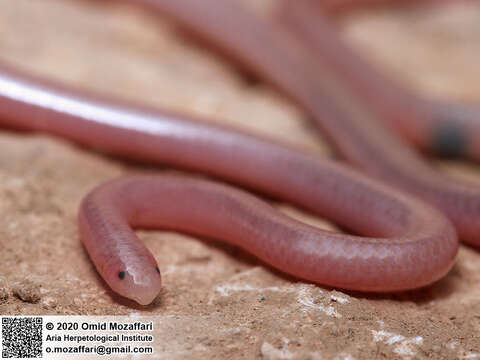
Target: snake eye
x: 157, y: 269
x: 121, y: 275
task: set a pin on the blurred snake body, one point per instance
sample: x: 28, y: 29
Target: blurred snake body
x: 404, y: 243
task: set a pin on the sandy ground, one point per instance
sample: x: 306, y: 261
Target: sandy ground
x: 218, y: 301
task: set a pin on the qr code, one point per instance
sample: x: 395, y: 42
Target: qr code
x: 21, y: 337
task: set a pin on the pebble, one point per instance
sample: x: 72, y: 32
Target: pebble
x: 27, y: 291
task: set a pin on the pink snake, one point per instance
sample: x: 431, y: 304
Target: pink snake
x: 405, y: 243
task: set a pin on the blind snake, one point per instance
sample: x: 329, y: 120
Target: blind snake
x: 406, y: 243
